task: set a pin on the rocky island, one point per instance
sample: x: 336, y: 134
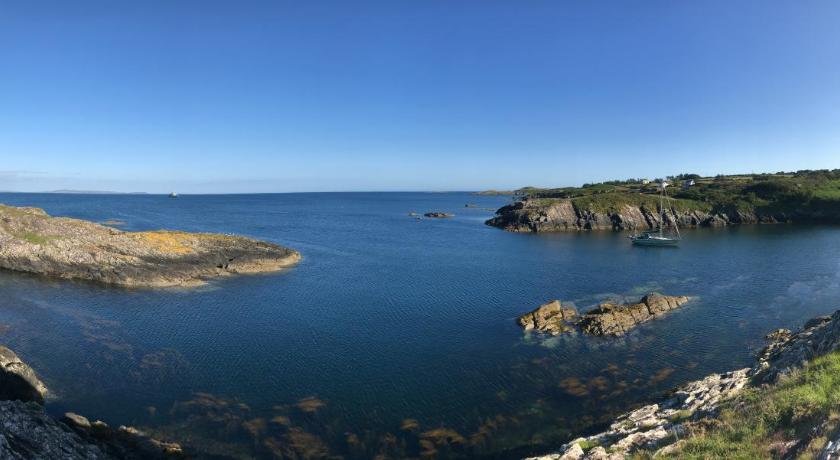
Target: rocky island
x: 802, y: 196
x: 608, y: 319
x: 438, y: 215
x: 34, y: 242
x: 782, y: 407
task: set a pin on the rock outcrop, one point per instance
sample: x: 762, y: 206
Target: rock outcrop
x: 28, y: 432
x: 607, y: 319
x: 17, y: 380
x: 552, y: 318
x: 613, y: 319
x: 560, y: 215
x: 658, y: 427
x: 787, y: 351
x: 32, y: 241
x: 438, y: 215
x: 653, y: 426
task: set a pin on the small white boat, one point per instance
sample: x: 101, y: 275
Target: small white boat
x: 173, y: 195
x: 658, y: 238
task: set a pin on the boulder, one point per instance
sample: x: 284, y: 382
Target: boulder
x: 17, y: 380
x: 551, y: 317
x: 438, y: 215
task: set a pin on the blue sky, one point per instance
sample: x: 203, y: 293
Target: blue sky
x: 411, y: 95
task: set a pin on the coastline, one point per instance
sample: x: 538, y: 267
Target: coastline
x: 666, y: 428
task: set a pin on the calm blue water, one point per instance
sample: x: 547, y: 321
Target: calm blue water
x: 389, y: 318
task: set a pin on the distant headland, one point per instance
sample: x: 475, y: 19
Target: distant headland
x: 695, y: 201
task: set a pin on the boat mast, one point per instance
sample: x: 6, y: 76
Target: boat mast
x: 661, y: 207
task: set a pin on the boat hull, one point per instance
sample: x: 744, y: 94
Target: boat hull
x: 655, y: 241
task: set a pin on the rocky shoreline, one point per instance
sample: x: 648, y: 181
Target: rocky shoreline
x: 657, y: 429
x: 27, y: 431
x: 32, y: 241
x: 608, y: 319
x: 562, y: 215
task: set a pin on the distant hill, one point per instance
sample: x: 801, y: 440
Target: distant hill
x: 95, y: 192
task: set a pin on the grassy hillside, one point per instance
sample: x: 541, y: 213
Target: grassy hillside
x: 814, y: 193
x: 803, y: 408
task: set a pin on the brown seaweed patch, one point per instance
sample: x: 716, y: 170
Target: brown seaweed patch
x: 440, y: 441
x: 574, y: 387
x: 255, y: 427
x: 661, y: 375
x: 310, y: 405
x: 410, y: 424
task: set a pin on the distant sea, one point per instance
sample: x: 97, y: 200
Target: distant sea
x: 397, y: 335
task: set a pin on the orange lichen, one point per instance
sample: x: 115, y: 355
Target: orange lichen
x: 167, y: 242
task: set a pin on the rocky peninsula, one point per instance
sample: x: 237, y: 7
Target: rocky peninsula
x: 780, y: 408
x: 34, y: 242
x: 608, y: 319
x: 695, y: 201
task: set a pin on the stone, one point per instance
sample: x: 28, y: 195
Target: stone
x: 551, y: 317
x: 76, y: 421
x: 17, y: 380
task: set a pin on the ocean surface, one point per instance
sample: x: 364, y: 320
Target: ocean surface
x: 394, y: 335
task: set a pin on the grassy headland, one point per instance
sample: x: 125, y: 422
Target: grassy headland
x: 778, y: 192
x: 801, y: 196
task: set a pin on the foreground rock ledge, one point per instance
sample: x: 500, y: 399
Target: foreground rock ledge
x: 608, y: 319
x: 657, y: 428
x: 32, y: 241
x: 26, y: 431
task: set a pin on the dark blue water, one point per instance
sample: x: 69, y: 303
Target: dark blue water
x: 396, y: 335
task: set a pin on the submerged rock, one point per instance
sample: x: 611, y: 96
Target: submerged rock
x: 17, y: 380
x: 607, y: 319
x: 32, y: 241
x: 438, y: 215
x: 551, y: 317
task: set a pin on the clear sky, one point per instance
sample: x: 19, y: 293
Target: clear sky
x: 313, y: 95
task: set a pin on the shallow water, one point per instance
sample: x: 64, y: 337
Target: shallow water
x: 397, y: 335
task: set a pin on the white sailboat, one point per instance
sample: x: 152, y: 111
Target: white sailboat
x: 658, y: 238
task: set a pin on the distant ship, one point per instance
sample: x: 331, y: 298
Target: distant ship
x: 173, y: 195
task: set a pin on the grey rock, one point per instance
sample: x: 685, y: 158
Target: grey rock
x: 17, y: 380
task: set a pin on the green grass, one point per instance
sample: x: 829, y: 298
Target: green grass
x: 588, y: 444
x: 34, y: 238
x: 748, y: 425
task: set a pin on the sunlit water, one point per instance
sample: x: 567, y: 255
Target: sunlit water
x: 396, y: 335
